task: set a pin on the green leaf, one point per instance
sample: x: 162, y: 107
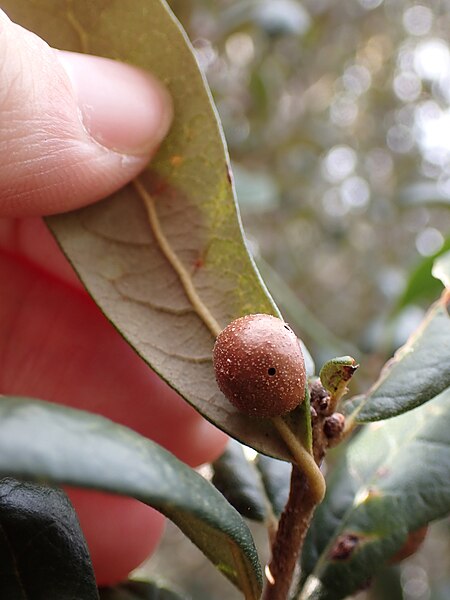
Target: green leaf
x: 164, y: 258
x: 422, y: 285
x: 276, y: 478
x: 418, y: 371
x: 46, y: 442
x: 393, y: 479
x: 43, y: 553
x: 139, y: 590
x: 441, y: 269
x: 239, y: 481
x: 257, y: 488
x: 305, y: 431
x: 337, y: 372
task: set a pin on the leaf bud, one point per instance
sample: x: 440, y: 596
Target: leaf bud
x: 333, y: 428
x: 337, y: 372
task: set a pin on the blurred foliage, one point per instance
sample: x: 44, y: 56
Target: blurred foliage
x: 337, y: 117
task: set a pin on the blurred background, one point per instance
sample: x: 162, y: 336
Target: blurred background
x: 337, y: 119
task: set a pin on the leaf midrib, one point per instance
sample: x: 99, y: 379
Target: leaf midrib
x: 185, y: 279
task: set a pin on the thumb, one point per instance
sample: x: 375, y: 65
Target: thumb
x: 73, y: 128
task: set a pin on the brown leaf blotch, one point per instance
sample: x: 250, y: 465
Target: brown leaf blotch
x: 344, y: 547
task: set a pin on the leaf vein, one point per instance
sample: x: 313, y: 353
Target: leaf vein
x: 175, y: 262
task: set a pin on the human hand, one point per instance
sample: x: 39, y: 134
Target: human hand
x: 73, y: 129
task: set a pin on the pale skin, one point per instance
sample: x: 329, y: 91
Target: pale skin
x: 73, y: 129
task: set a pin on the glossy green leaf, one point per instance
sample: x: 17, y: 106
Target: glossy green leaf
x: 177, y: 222
x: 418, y: 371
x: 257, y: 488
x: 239, y: 481
x: 276, y: 478
x: 46, y: 442
x: 393, y: 479
x: 43, y: 554
x: 422, y: 286
x: 139, y: 590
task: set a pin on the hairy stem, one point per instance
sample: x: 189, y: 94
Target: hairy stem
x: 306, y: 492
x: 294, y: 523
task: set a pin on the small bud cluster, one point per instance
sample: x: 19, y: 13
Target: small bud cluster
x: 328, y: 425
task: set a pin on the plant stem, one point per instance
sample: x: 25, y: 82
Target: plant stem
x: 303, y: 459
x: 306, y: 492
x: 294, y: 523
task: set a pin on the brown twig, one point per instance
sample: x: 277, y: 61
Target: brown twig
x: 294, y: 523
x: 306, y: 492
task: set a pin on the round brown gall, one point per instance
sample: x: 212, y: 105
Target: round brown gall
x: 259, y: 366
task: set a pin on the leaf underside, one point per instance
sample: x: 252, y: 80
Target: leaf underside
x: 393, y: 479
x: 258, y: 488
x: 239, y: 481
x: 43, y: 553
x: 45, y: 442
x: 185, y: 198
x: 418, y: 372
x: 276, y: 478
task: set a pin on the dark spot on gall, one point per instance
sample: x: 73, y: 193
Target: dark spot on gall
x: 271, y: 371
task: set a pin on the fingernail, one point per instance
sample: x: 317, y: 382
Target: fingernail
x: 122, y: 107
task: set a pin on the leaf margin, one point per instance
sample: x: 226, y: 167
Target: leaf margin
x: 31, y: 453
